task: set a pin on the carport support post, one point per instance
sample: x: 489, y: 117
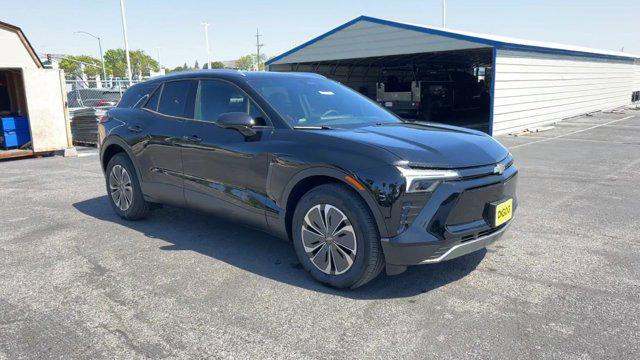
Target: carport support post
x: 492, y: 91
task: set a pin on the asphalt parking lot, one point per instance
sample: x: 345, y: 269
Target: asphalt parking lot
x: 564, y: 282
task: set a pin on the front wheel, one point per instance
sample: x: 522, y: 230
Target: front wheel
x: 336, y: 238
x: 123, y: 188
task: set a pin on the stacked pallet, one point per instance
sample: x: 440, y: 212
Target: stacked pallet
x: 84, y: 125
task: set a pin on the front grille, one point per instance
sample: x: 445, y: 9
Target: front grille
x: 473, y: 204
x: 482, y: 233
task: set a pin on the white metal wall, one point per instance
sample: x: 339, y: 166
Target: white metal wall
x: 535, y: 89
x: 636, y: 83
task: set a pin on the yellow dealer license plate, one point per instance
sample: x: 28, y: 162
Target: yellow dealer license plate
x: 504, y: 211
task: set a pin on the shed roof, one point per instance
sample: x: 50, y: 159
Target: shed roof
x: 463, y: 39
x: 24, y: 40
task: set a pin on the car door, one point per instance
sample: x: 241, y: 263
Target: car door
x: 226, y: 171
x: 159, y: 129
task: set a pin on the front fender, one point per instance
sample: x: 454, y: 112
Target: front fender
x: 279, y: 225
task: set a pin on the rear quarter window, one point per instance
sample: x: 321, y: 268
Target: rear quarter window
x: 131, y: 97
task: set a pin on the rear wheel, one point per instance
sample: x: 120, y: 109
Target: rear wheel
x: 336, y: 238
x: 123, y: 189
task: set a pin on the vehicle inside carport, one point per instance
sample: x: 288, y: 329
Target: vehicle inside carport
x: 451, y: 87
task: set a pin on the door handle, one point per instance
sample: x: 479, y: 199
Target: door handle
x: 192, y: 138
x: 135, y: 129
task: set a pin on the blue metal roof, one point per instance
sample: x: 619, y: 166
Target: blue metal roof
x: 498, y: 42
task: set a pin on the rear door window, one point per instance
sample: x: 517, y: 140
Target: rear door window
x: 218, y: 97
x: 177, y: 98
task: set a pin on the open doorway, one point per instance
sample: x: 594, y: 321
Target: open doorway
x: 450, y: 87
x: 15, y: 134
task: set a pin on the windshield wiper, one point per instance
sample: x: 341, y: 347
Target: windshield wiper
x: 323, y: 127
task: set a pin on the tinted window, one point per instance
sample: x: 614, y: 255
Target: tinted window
x: 303, y: 101
x: 257, y: 114
x: 177, y: 98
x: 133, y: 94
x: 152, y: 103
x: 219, y: 97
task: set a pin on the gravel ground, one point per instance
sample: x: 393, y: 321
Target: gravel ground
x: 564, y: 282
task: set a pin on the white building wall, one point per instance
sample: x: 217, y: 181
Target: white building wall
x: 535, y: 89
x: 13, y: 53
x: 636, y: 82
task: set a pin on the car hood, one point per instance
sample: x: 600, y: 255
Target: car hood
x: 430, y: 145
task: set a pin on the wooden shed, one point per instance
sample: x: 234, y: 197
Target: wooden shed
x: 33, y: 116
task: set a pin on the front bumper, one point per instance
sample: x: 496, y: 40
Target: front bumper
x: 455, y: 221
x: 431, y: 254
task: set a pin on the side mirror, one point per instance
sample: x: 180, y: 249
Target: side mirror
x: 239, y: 121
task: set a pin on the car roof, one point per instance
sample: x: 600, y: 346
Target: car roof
x: 233, y: 74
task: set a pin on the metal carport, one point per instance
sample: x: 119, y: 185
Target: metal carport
x: 529, y: 84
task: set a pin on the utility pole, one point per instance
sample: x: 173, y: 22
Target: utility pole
x: 258, y: 46
x: 126, y: 41
x: 104, y: 72
x: 206, y: 40
x: 158, y: 56
x: 444, y: 14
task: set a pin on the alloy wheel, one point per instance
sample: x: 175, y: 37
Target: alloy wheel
x: 329, y: 239
x: 120, y: 187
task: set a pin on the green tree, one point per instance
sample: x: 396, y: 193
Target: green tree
x: 73, y: 63
x: 196, y: 65
x: 178, y: 68
x: 248, y: 62
x: 214, y: 65
x: 245, y: 63
x: 115, y: 62
x: 263, y: 58
x: 141, y: 63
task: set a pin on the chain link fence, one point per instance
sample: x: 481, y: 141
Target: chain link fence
x: 96, y: 93
x: 88, y: 101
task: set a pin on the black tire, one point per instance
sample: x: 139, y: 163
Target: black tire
x: 138, y: 208
x: 369, y: 259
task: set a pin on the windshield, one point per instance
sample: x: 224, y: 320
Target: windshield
x: 320, y: 102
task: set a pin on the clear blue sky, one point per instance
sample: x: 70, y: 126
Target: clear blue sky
x: 174, y: 26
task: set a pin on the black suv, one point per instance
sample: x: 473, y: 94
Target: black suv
x: 354, y: 187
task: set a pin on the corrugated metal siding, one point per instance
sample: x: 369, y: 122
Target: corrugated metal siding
x: 636, y: 83
x: 366, y: 39
x: 535, y: 89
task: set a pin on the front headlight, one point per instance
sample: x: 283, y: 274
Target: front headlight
x: 425, y: 180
